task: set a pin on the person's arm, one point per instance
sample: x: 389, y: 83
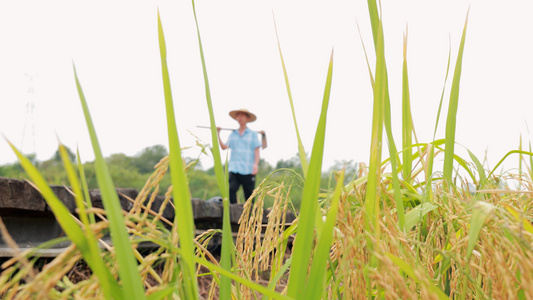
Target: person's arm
x: 222, y: 145
x: 263, y: 139
x: 256, y: 161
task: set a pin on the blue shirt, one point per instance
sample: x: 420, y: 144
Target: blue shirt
x: 242, y: 147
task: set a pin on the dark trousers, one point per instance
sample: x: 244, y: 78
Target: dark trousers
x: 235, y: 181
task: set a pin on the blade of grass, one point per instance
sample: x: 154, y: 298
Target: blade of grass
x: 505, y: 157
x: 530, y: 158
x: 374, y: 19
x: 318, y: 272
x: 408, y: 269
x: 366, y: 56
x: 407, y: 121
x: 132, y: 286
x: 272, y: 285
x: 393, y: 152
x: 480, y: 213
x: 480, y: 170
x: 85, y: 187
x: 162, y: 294
x: 428, y: 189
x: 448, y: 247
x: 451, y: 119
x: 382, y: 102
x: 443, y: 89
x: 75, y: 186
x: 225, y: 273
x: 530, y: 164
x: 309, y: 206
x: 519, y: 218
x: 182, y: 201
x: 71, y: 228
x: 372, y: 199
x: 221, y: 176
x: 219, y: 172
x: 301, y: 150
x: 416, y: 214
x: 372, y: 210
x: 520, y: 158
x: 100, y: 268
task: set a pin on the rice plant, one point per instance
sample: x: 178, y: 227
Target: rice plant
x: 397, y: 231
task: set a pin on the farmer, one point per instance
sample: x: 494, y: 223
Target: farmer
x: 244, y: 159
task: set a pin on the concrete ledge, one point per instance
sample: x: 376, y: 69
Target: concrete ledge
x: 30, y: 221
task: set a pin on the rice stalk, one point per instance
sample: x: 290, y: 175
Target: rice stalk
x: 227, y: 255
x: 372, y: 207
x: 407, y: 120
x: 183, y: 219
x: 308, y: 208
x: 132, y: 287
x: 452, y: 109
x: 85, y: 242
x: 301, y: 149
x: 325, y: 237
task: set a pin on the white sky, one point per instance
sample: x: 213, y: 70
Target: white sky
x: 115, y: 49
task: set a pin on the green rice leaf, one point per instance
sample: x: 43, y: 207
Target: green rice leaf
x: 250, y: 284
x: 301, y: 150
x: 448, y: 247
x: 182, y: 201
x: 99, y: 266
x: 442, y: 93
x: 520, y: 158
x: 463, y: 163
x: 221, y: 176
x: 374, y: 19
x: 392, y: 151
x: 279, y: 274
x: 530, y: 163
x: 416, y: 214
x: 382, y: 84
x: 366, y: 56
x: 100, y: 269
x: 71, y: 228
x: 480, y: 170
x: 166, y: 243
x: 452, y: 110
x: 132, y: 286
x: 405, y: 267
x: 407, y: 120
x: 75, y: 185
x: 431, y: 148
x: 480, y: 213
x: 372, y: 205
x: 318, y: 272
x: 85, y: 187
x: 530, y: 154
x: 162, y: 294
x: 526, y: 224
x: 309, y: 205
x: 219, y: 171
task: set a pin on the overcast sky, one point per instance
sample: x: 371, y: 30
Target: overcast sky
x: 115, y: 49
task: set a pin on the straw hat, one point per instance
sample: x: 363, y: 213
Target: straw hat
x: 251, y: 116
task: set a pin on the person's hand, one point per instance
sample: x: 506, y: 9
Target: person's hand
x: 254, y: 170
x: 218, y: 129
x: 262, y: 132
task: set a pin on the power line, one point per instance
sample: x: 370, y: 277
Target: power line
x: 29, y: 119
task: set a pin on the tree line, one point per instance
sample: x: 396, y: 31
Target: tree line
x: 134, y: 171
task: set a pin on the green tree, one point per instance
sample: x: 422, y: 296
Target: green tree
x: 123, y: 172
x: 149, y: 157
x: 13, y: 170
